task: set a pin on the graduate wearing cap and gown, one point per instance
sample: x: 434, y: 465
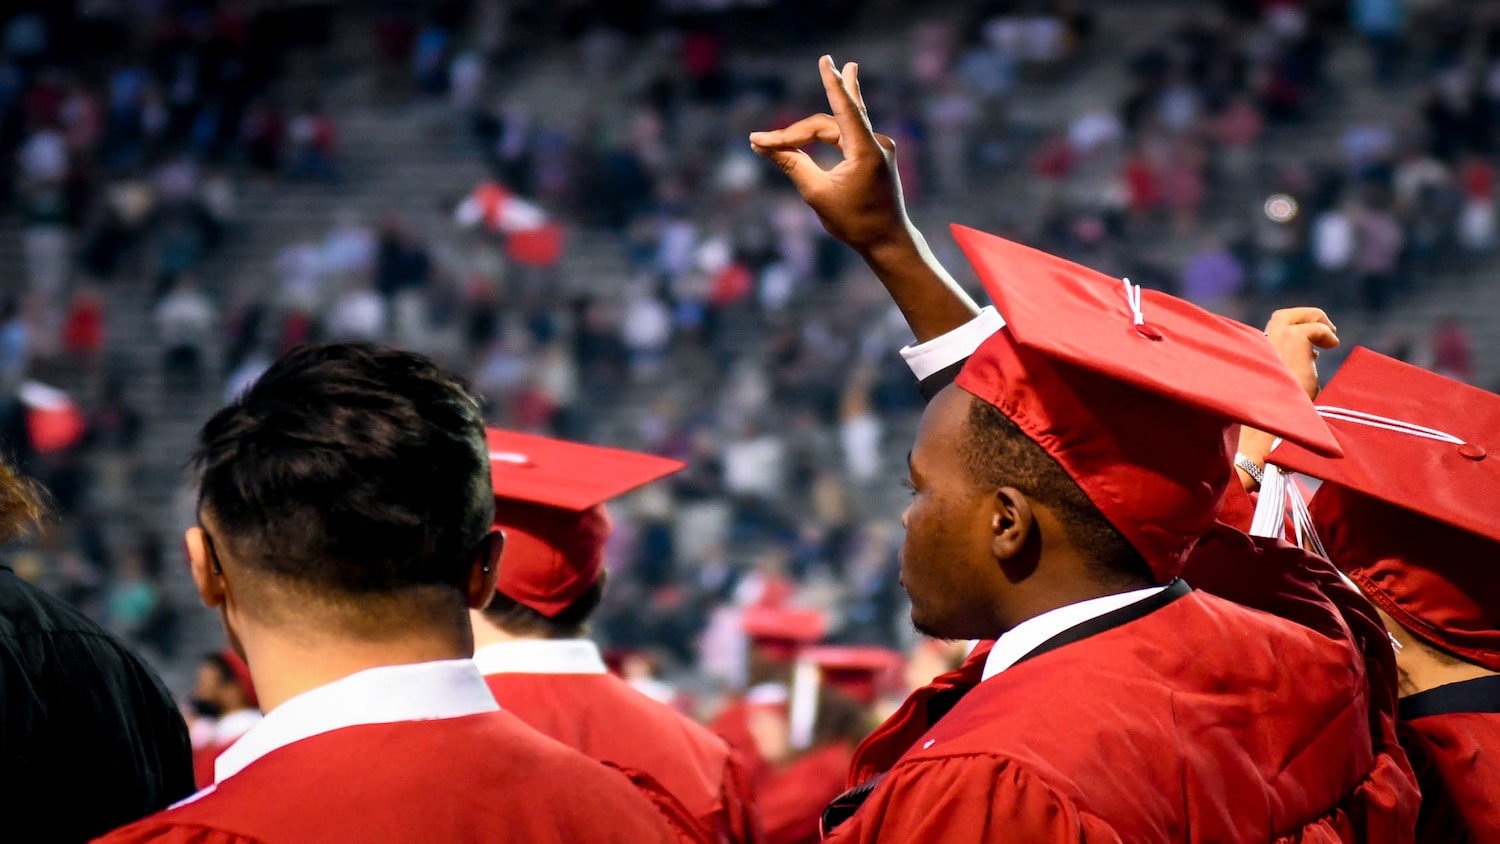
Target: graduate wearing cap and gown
x: 549, y: 501
x: 345, y: 527
x: 1409, y: 514
x: 774, y: 635
x: 1116, y: 703
x: 834, y: 688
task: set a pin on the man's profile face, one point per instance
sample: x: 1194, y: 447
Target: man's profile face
x: 947, y: 566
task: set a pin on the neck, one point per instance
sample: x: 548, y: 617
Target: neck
x: 1423, y: 672
x: 284, y: 666
x: 488, y: 633
x: 1033, y: 604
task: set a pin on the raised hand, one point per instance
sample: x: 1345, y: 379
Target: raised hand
x: 859, y: 199
x: 1297, y: 335
x: 859, y: 202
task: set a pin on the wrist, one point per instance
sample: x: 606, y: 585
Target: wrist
x: 898, y: 246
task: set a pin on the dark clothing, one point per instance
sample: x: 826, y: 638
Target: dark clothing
x: 90, y: 739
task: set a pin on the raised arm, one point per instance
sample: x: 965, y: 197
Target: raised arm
x: 859, y: 202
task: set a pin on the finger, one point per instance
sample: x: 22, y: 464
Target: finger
x: 858, y: 137
x: 818, y: 127
x: 1299, y: 316
x: 805, y: 173
x: 1319, y: 334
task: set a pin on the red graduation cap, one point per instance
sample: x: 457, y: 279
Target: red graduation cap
x: 1409, y: 512
x: 1138, y: 395
x: 781, y: 632
x: 861, y: 672
x: 549, y: 498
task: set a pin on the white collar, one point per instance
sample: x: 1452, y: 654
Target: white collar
x: 1022, y: 639
x: 235, y: 724
x: 540, y: 656
x: 449, y: 688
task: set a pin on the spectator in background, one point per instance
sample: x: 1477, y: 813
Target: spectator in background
x: 44, y: 172
x: 1214, y: 278
x: 1381, y: 23
x: 1378, y: 242
x: 1452, y: 350
x: 312, y: 142
x: 15, y: 344
x: 83, y: 328
x: 185, y: 321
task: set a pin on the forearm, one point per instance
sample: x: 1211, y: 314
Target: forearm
x: 926, y: 294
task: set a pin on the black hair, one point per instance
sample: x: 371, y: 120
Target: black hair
x: 572, y: 622
x: 999, y: 454
x: 350, y: 470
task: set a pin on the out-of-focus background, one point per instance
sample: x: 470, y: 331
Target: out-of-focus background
x: 557, y: 200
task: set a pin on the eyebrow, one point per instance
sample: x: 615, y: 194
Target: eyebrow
x: 909, y: 468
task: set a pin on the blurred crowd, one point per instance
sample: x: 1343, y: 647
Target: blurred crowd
x: 723, y: 327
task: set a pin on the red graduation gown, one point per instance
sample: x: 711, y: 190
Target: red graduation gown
x: 1199, y: 720
x: 792, y: 797
x: 601, y: 716
x: 1453, y: 735
x: 483, y: 777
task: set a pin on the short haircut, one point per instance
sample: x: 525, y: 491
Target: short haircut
x: 572, y: 622
x: 354, y: 474
x: 999, y: 454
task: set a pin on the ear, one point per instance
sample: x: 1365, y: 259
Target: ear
x: 485, y: 570
x: 208, y: 580
x: 1012, y: 522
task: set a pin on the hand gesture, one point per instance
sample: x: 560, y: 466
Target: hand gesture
x: 859, y: 199
x: 1297, y: 334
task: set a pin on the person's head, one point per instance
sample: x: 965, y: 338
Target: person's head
x: 549, y: 500
x: 1085, y: 448
x: 23, y: 504
x: 346, y: 497
x: 1408, y: 514
x: 223, y: 685
x: 993, y: 520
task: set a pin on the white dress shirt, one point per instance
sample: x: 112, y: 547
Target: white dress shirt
x: 422, y: 691
x: 935, y: 355
x: 1022, y: 639
x: 540, y: 656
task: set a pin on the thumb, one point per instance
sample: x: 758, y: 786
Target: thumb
x: 797, y: 165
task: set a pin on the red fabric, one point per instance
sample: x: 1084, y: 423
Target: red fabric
x: 54, y: 429
x: 793, y: 796
x: 732, y: 724
x: 538, y: 247
x: 552, y: 556
x: 860, y: 672
x: 1435, y: 580
x: 83, y: 331
x: 1075, y: 373
x: 1450, y: 483
x: 601, y: 716
x: 476, y: 778
x: 567, y: 475
x: 1197, y: 722
x: 1458, y: 762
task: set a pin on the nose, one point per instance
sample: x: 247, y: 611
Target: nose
x: 905, y: 516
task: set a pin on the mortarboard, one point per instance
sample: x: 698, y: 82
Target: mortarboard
x: 859, y: 672
x: 1136, y: 394
x: 1409, y: 512
x: 779, y: 633
x: 549, y: 497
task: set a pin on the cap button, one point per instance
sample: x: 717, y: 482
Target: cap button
x: 1149, y: 331
x: 1473, y: 451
